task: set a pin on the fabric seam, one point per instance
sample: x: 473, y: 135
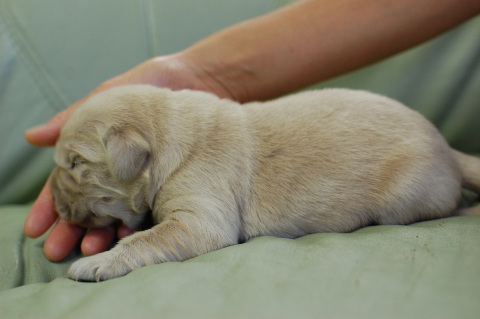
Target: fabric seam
x: 33, y: 62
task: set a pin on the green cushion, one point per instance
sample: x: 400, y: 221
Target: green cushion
x: 425, y: 270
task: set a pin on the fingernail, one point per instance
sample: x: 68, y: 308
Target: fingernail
x: 34, y: 129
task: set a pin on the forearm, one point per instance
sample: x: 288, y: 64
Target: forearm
x: 314, y: 40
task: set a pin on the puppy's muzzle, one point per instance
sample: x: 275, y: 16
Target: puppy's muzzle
x: 72, y: 204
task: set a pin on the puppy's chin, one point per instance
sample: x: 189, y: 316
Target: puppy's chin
x: 136, y: 221
x: 95, y: 222
x: 106, y: 224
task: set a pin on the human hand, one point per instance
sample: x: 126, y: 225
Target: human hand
x: 169, y: 71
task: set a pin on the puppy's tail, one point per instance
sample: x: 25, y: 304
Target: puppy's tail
x: 470, y: 170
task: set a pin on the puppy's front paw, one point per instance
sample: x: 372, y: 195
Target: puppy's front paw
x: 103, y: 266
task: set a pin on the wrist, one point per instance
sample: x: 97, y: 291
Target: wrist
x: 225, y: 77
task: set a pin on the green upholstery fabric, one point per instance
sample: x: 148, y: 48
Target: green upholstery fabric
x: 53, y: 52
x: 425, y: 270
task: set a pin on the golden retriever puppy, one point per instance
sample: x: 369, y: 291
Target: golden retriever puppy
x: 213, y: 173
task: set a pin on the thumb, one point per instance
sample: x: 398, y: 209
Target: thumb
x: 48, y: 133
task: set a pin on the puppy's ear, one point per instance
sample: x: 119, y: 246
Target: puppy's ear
x: 127, y: 152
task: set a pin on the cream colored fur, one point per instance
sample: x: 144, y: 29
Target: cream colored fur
x: 214, y: 173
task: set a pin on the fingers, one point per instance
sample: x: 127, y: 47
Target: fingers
x: 168, y: 71
x: 124, y: 231
x: 61, y: 240
x: 64, y: 236
x: 42, y: 215
x: 97, y: 240
x: 47, y: 134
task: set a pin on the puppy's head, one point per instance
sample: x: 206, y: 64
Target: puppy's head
x: 102, y: 166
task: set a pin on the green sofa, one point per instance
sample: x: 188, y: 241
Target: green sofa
x: 54, y: 52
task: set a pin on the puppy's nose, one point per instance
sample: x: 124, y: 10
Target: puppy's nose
x: 91, y: 221
x: 53, y: 181
x: 61, y: 207
x: 86, y: 222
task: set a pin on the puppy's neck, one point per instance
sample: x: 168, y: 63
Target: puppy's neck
x: 183, y: 123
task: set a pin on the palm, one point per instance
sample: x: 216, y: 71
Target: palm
x: 166, y: 71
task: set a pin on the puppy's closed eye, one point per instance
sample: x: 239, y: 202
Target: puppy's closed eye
x: 107, y: 199
x: 73, y: 163
x: 75, y: 160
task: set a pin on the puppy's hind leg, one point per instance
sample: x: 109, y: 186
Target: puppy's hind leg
x: 470, y: 169
x: 469, y: 211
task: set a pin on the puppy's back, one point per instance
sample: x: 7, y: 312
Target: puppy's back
x: 336, y: 160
